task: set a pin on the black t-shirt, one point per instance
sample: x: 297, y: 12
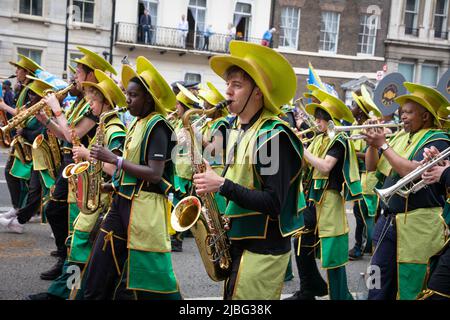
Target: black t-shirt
x: 271, y: 199
x: 428, y: 197
x: 336, y: 178
x: 159, y: 147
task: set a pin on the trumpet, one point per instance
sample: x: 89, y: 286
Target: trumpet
x: 313, y: 130
x: 307, y: 118
x: 354, y: 137
x: 333, y: 129
x: 405, y: 186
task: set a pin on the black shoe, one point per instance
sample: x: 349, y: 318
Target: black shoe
x: 43, y: 296
x: 177, y: 245
x: 54, y: 271
x: 299, y: 295
x: 355, y: 254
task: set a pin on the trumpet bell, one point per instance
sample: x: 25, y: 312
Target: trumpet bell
x: 185, y: 214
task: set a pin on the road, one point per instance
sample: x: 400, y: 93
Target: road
x: 24, y: 256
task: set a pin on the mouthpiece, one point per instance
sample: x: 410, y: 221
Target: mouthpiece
x: 223, y: 104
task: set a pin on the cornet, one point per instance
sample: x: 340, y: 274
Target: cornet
x: 307, y: 118
x: 406, y: 185
x: 333, y: 129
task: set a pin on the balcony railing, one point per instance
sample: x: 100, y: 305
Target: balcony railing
x: 174, y: 38
x: 412, y: 31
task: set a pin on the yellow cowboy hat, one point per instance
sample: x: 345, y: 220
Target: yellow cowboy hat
x: 108, y: 88
x: 155, y: 84
x: 26, y: 63
x: 368, y: 103
x: 334, y: 107
x: 315, y: 92
x: 94, y: 61
x: 38, y: 86
x: 210, y: 94
x: 186, y: 97
x: 427, y: 97
x: 271, y: 72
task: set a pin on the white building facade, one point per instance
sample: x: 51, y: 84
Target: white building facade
x: 418, y: 44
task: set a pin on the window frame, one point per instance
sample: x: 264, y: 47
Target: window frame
x: 444, y: 23
x: 186, y: 73
x: 437, y: 72
x: 332, y: 13
x: 41, y: 51
x: 367, y: 36
x: 83, y: 12
x: 415, y: 27
x: 414, y: 69
x: 297, y: 33
x: 31, y: 9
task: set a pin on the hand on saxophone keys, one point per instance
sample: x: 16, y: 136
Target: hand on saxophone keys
x: 208, y: 181
x: 80, y: 153
x: 52, y: 102
x: 103, y: 154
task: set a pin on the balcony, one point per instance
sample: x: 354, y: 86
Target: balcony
x: 440, y: 34
x: 412, y: 31
x: 171, y: 38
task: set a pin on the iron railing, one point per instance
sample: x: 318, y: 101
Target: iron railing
x: 174, y: 38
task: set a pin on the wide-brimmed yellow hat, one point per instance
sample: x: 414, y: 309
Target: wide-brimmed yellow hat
x: 315, y: 92
x: 38, y: 86
x: 368, y: 103
x: 26, y: 63
x: 72, y: 69
x: 210, y: 94
x: 186, y: 97
x: 334, y: 107
x: 427, y: 97
x: 271, y: 72
x: 108, y: 88
x: 155, y: 84
x: 94, y: 61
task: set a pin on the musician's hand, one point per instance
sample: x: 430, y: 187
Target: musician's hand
x: 429, y: 153
x: 207, y: 182
x: 434, y: 174
x: 375, y: 137
x: 106, y: 188
x: 103, y: 154
x: 41, y: 116
x: 80, y: 153
x: 52, y: 102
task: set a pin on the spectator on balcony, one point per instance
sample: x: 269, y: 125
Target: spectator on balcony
x: 231, y: 35
x: 208, y: 32
x: 268, y: 37
x: 146, y: 26
x: 183, y: 28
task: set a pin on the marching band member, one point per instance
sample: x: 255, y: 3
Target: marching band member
x: 411, y: 229
x: 131, y: 257
x: 79, y: 125
x: 365, y: 209
x: 35, y: 170
x: 262, y: 194
x: 335, y: 179
x: 17, y: 173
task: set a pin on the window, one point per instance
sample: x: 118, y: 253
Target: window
x: 192, y: 77
x: 85, y: 9
x: 411, y: 13
x: 31, y: 7
x: 429, y: 75
x: 407, y: 70
x: 367, y: 34
x: 241, y: 20
x: 329, y: 31
x: 35, y: 55
x: 440, y: 19
x: 196, y: 16
x: 290, y: 24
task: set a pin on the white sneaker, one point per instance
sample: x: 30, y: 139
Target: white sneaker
x: 9, y: 214
x: 5, y: 221
x: 15, y: 226
x: 35, y: 219
x: 52, y: 235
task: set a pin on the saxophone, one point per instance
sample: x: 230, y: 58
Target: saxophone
x: 205, y: 222
x: 50, y: 149
x: 89, y: 173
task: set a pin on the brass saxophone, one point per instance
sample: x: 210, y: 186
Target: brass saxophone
x: 24, y: 115
x: 206, y: 223
x: 89, y: 173
x: 50, y: 149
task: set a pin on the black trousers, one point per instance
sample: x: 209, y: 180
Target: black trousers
x: 14, y: 184
x: 360, y: 230
x: 33, y: 203
x: 57, y: 211
x: 440, y: 277
x: 311, y: 280
x: 101, y: 276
